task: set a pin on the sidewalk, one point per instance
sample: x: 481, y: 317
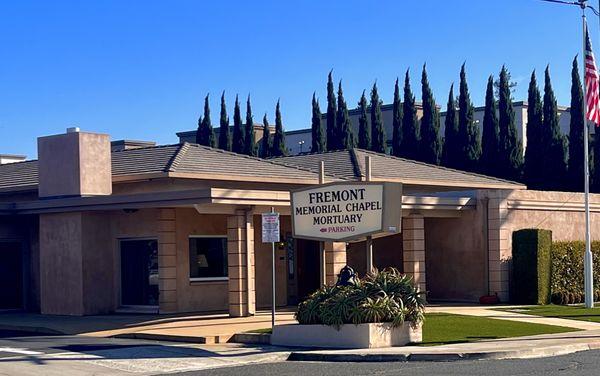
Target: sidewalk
x: 509, y: 348
x: 195, y: 328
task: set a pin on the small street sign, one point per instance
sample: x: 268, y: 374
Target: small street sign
x: 270, y: 228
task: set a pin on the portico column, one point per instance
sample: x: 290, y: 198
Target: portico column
x: 240, y: 245
x: 335, y: 260
x: 499, y: 252
x: 413, y: 245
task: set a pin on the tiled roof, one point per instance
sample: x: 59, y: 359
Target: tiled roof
x: 350, y: 165
x: 184, y: 158
x: 337, y: 163
x: 18, y: 175
x: 199, y: 159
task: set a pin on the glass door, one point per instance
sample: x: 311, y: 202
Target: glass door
x: 139, y: 272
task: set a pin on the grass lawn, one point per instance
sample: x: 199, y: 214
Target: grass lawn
x: 576, y: 312
x: 444, y: 328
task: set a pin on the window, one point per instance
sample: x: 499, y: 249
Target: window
x: 208, y: 258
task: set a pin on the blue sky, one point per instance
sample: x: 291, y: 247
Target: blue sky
x: 140, y: 69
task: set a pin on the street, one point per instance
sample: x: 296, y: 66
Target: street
x: 31, y: 354
x: 24, y: 353
x: 583, y: 363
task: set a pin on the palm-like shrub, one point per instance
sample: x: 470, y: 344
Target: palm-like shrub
x: 385, y: 296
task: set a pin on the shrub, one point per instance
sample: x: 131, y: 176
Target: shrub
x: 567, y: 271
x: 383, y: 296
x: 532, y: 266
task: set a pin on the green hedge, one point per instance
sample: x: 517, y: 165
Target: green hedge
x: 567, y: 271
x: 532, y: 266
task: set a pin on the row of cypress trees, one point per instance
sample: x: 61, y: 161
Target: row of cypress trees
x: 243, y: 140
x: 552, y: 161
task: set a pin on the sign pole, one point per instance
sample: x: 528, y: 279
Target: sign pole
x: 322, y: 271
x: 273, y: 276
x: 270, y: 234
x: 369, y: 242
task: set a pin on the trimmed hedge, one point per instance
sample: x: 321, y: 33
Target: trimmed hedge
x: 532, y: 266
x: 567, y: 271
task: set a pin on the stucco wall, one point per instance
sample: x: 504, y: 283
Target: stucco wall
x: 60, y: 264
x: 198, y: 296
x: 566, y: 222
x: 387, y: 252
x: 455, y: 257
x: 263, y: 262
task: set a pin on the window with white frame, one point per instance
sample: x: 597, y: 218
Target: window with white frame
x: 208, y: 258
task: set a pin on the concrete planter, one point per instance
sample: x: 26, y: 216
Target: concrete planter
x: 349, y: 336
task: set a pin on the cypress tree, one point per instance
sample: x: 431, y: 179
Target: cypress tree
x: 410, y: 124
x: 318, y: 135
x: 238, y: 142
x: 346, y: 136
x: 224, y: 134
x: 249, y: 138
x: 490, y: 134
x: 534, y: 157
x: 205, y: 134
x: 552, y: 142
x: 431, y: 147
x: 576, y: 129
x: 378, y: 142
x: 364, y: 130
x: 452, y: 149
x: 510, y: 148
x: 396, y: 122
x: 332, y: 140
x: 468, y: 132
x: 278, y: 149
x: 265, y: 142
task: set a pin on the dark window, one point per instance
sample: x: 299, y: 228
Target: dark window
x: 208, y: 257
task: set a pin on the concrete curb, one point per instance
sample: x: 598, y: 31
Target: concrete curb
x: 315, y: 356
x: 205, y: 340
x: 252, y: 338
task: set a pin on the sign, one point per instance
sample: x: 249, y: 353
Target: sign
x: 343, y: 211
x: 270, y: 227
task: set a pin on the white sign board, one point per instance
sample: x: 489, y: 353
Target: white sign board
x: 270, y: 227
x: 338, y: 212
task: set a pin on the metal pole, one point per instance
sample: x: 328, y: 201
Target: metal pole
x: 273, y: 275
x: 588, y: 272
x: 322, y: 261
x: 369, y: 242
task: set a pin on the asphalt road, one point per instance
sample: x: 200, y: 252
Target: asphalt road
x: 34, y: 354
x: 583, y: 363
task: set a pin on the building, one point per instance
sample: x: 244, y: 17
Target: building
x: 300, y: 140
x: 176, y: 228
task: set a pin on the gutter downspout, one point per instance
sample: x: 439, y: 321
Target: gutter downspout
x: 249, y: 228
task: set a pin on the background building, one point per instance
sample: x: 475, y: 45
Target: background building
x: 298, y: 141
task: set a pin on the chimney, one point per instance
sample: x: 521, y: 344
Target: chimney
x: 74, y: 164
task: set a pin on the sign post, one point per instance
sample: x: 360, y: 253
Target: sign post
x: 270, y: 234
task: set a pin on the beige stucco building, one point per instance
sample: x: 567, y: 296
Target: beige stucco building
x: 176, y: 228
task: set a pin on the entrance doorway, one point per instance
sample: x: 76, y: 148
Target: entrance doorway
x: 139, y: 272
x: 308, y: 264
x: 11, y: 275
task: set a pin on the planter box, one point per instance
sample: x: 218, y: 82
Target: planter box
x: 349, y: 336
